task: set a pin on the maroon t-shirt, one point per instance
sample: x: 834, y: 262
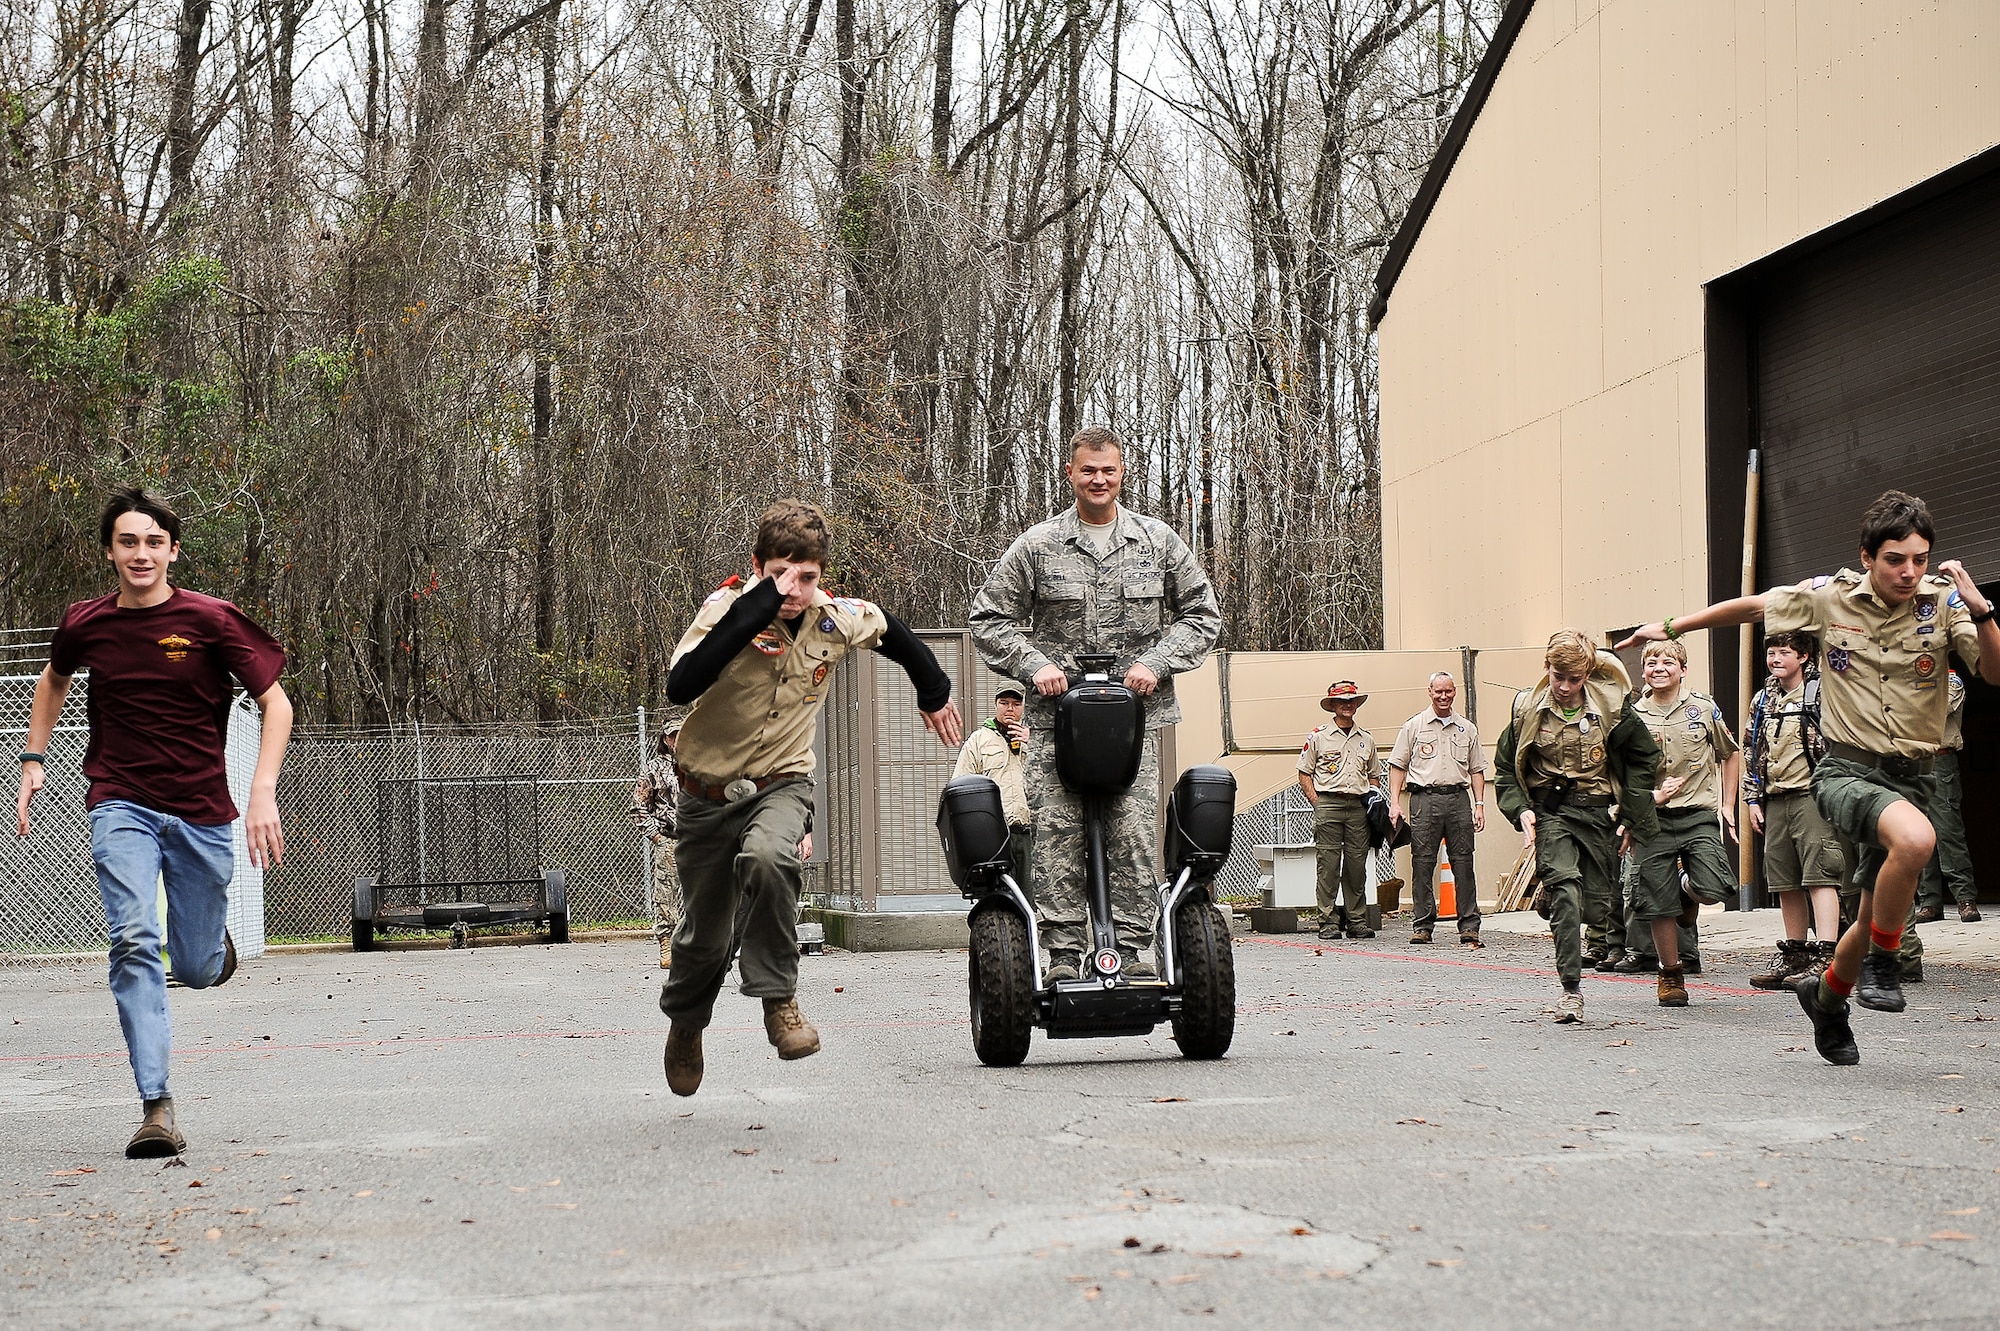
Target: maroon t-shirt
x: 160, y: 695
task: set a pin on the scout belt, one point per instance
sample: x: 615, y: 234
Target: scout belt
x: 742, y: 788
x: 1891, y: 764
x: 1434, y: 790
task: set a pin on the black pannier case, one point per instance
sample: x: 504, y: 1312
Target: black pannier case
x: 1100, y: 738
x: 972, y: 825
x: 1201, y: 819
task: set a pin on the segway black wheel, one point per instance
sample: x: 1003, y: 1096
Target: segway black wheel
x: 1206, y: 1022
x: 1003, y: 987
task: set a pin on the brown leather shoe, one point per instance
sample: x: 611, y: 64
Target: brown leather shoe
x: 157, y: 1136
x: 1673, y: 987
x: 1929, y: 914
x: 684, y: 1064
x: 790, y: 1033
x: 1471, y: 941
x: 1420, y: 935
x: 1968, y: 912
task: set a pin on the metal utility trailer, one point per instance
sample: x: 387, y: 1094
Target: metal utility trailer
x: 455, y: 853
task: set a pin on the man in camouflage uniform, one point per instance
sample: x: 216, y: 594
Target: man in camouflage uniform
x: 652, y: 812
x: 1096, y: 578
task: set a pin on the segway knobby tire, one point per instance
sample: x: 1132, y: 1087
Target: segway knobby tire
x: 1003, y: 987
x: 1206, y: 1022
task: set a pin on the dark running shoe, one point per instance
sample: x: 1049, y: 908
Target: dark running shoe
x: 1636, y: 964
x: 1881, y: 987
x: 1832, y: 1035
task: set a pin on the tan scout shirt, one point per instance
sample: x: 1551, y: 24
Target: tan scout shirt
x: 1882, y: 670
x: 757, y: 719
x: 1954, y: 721
x: 1572, y: 748
x: 1342, y: 762
x: 1785, y: 763
x: 986, y: 754
x: 1693, y: 740
x: 1438, y: 751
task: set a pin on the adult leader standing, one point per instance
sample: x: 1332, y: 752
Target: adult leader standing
x: 1438, y: 759
x: 1096, y: 578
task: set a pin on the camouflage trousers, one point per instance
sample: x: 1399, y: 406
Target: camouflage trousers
x: 1130, y: 854
x: 666, y: 888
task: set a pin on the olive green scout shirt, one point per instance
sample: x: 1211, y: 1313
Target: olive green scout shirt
x: 1341, y: 762
x: 1883, y: 670
x: 1693, y: 740
x: 757, y: 719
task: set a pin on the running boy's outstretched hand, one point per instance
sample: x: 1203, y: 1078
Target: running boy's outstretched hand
x: 946, y: 724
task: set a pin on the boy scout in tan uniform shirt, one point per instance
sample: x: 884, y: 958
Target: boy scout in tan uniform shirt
x: 754, y: 666
x: 1440, y: 762
x: 1885, y: 635
x: 1336, y: 769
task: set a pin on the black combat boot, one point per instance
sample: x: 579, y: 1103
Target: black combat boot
x: 1881, y: 987
x: 1832, y: 1035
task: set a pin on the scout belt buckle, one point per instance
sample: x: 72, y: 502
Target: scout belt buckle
x: 1903, y: 769
x: 742, y: 788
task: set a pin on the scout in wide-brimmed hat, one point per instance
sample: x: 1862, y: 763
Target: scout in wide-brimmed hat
x: 1345, y: 691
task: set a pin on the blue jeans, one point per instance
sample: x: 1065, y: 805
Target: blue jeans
x: 133, y: 847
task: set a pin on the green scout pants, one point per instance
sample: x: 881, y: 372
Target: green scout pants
x: 1340, y: 845
x: 1951, y: 866
x: 1130, y: 857
x: 739, y: 872
x: 1852, y: 798
x: 1607, y: 915
x: 1576, y: 853
x: 1442, y: 815
x: 1690, y: 841
x: 1021, y: 849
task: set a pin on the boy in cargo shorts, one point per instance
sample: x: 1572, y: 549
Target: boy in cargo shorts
x: 1886, y: 634
x: 754, y: 665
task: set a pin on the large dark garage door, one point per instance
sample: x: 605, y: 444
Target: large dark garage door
x: 1877, y: 364
x: 1873, y: 361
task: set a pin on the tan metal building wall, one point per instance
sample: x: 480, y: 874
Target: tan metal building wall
x: 1542, y: 373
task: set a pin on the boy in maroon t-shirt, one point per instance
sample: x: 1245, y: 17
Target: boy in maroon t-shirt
x: 160, y: 661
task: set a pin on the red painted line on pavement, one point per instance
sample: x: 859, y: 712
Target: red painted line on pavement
x: 1490, y: 966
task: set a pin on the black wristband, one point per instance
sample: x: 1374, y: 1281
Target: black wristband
x: 41, y: 758
x: 1991, y: 610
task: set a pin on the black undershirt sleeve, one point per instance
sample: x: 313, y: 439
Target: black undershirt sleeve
x: 907, y: 650
x: 693, y: 673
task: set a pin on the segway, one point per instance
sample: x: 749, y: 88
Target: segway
x: 1100, y: 734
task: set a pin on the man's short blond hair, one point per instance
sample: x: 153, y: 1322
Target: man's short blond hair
x: 1571, y: 651
x: 1671, y: 648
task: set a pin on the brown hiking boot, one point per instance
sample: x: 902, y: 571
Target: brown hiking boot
x: 157, y: 1136
x: 1673, y: 987
x: 683, y: 1059
x: 1968, y: 912
x: 791, y: 1034
x: 1794, y: 957
x: 1420, y: 935
x: 667, y: 953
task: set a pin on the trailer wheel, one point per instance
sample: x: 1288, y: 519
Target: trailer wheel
x: 1003, y: 987
x: 364, y: 914
x: 555, y: 898
x: 364, y: 936
x: 1206, y: 1021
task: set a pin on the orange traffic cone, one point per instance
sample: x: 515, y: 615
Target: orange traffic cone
x: 1447, y: 893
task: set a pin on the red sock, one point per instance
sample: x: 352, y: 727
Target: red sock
x: 1841, y: 988
x: 1885, y: 940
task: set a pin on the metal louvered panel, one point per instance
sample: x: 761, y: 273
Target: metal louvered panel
x: 1878, y: 367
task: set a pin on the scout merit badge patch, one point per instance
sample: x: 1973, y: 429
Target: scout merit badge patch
x: 1836, y: 658
x: 769, y: 643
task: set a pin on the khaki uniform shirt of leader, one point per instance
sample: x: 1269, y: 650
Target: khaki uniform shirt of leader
x: 757, y: 719
x: 986, y: 754
x: 1342, y: 762
x: 1438, y: 750
x: 1882, y: 670
x: 1693, y: 740
x: 1051, y: 598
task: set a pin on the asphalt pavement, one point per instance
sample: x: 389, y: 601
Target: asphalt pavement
x: 1399, y: 1138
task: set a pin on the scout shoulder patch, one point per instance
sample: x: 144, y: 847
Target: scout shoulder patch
x: 854, y: 605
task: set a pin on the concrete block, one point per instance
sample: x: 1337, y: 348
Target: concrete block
x: 1274, y: 919
x: 890, y: 931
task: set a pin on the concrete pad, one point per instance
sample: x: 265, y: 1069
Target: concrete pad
x: 890, y: 931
